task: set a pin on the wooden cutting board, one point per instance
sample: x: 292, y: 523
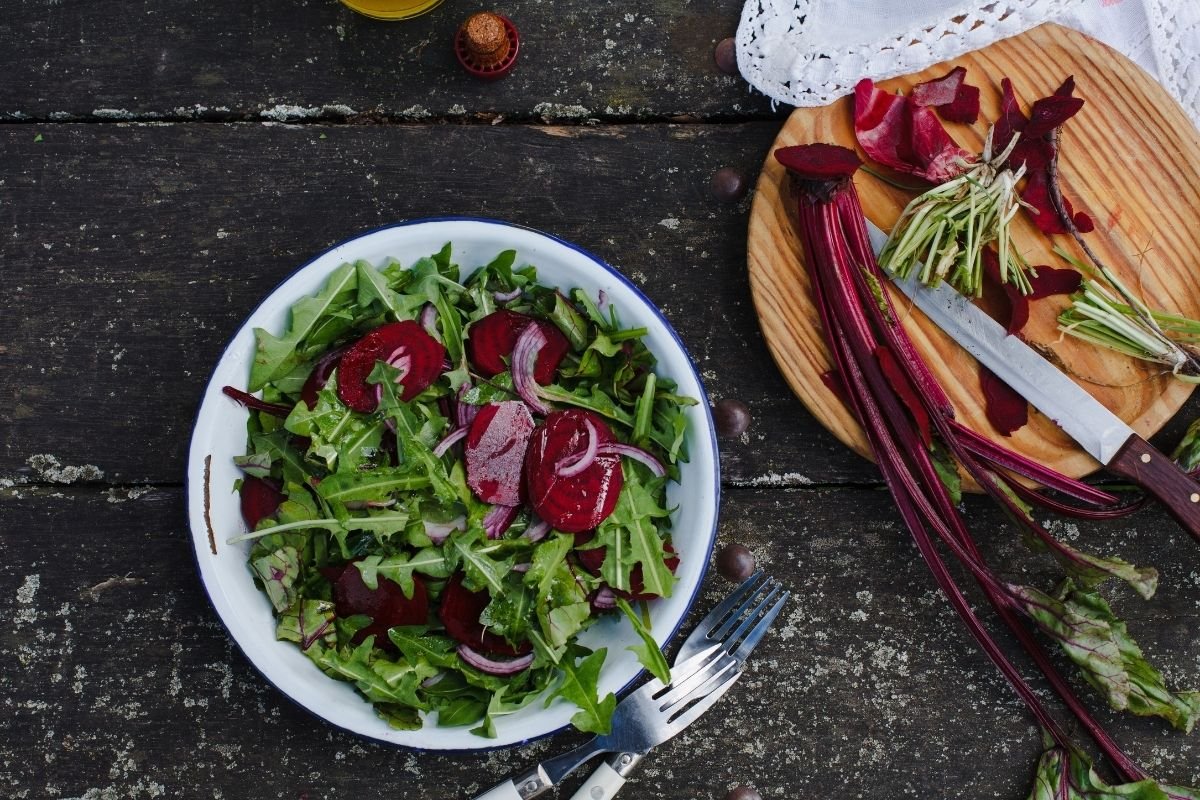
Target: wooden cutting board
x: 1130, y: 159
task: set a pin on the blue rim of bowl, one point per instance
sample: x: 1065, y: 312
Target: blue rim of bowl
x: 706, y: 408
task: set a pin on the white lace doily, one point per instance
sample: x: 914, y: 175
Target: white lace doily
x: 810, y: 52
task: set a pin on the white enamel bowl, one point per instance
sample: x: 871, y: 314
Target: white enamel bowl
x: 220, y: 434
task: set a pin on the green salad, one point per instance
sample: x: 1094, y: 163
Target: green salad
x: 447, y: 479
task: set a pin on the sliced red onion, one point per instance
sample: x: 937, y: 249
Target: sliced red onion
x: 441, y: 447
x: 537, y: 530
x: 605, y: 598
x: 504, y: 297
x: 400, y: 360
x: 432, y: 680
x: 636, y: 453
x: 498, y: 519
x: 524, y: 358
x: 567, y: 469
x: 464, y: 412
x: 601, y: 300
x: 428, y: 319
x: 522, y: 567
x: 492, y: 666
x: 438, y: 532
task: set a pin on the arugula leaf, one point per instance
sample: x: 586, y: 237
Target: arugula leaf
x: 1109, y: 659
x: 378, y: 484
x: 373, y: 288
x: 632, y: 538
x: 275, y: 445
x: 309, y: 623
x: 399, y: 568
x: 276, y: 356
x: 569, y: 321
x: 648, y: 652
x: 644, y: 413
x: 417, y: 644
x: 482, y: 571
x: 383, y: 524
x: 256, y: 464
x: 379, y: 680
x: 579, y: 686
x: 279, y: 572
x: 342, y: 439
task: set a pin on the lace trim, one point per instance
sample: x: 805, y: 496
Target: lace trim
x: 778, y: 57
x: 1175, y: 33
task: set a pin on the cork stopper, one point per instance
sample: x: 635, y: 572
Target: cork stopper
x: 486, y: 44
x: 486, y: 38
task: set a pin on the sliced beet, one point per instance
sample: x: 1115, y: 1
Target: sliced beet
x: 492, y: 339
x: 424, y: 355
x: 260, y: 499
x: 386, y: 605
x: 819, y: 161
x: 577, y: 502
x: 495, y: 451
x: 460, y: 613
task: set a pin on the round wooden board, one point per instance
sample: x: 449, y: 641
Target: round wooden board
x: 1130, y: 159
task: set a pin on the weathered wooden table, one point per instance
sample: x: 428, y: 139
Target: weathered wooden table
x: 163, y: 165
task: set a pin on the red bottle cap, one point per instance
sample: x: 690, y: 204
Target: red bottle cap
x: 486, y: 45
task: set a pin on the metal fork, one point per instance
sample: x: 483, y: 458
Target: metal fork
x: 738, y: 623
x: 715, y: 652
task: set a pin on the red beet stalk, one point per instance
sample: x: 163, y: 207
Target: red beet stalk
x: 859, y: 323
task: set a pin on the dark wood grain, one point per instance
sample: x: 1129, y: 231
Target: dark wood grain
x: 131, y: 254
x: 122, y: 683
x: 286, y: 60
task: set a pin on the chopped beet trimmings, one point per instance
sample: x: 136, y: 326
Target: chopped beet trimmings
x: 1037, y: 149
x: 954, y: 98
x: 898, y: 133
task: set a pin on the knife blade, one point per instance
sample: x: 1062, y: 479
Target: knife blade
x: 1096, y: 429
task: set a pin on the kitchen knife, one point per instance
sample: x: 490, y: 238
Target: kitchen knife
x: 1096, y: 429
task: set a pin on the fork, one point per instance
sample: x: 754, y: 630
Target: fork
x: 705, y: 669
x: 741, y: 619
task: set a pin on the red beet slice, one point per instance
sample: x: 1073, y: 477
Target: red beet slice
x: 590, y: 559
x: 460, y: 612
x: 577, y: 502
x: 491, y: 340
x: 495, y: 451
x: 424, y: 353
x: 819, y: 162
x: 1005, y: 409
x: 386, y: 605
x: 260, y: 499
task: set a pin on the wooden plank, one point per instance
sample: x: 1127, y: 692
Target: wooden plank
x: 133, y: 252
x: 228, y: 59
x: 124, y: 684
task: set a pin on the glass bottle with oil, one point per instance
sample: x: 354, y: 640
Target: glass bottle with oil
x: 392, y: 9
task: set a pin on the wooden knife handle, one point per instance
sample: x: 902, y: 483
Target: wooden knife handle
x: 1162, y: 478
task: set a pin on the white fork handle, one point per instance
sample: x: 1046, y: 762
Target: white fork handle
x: 601, y: 784
x: 503, y: 791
